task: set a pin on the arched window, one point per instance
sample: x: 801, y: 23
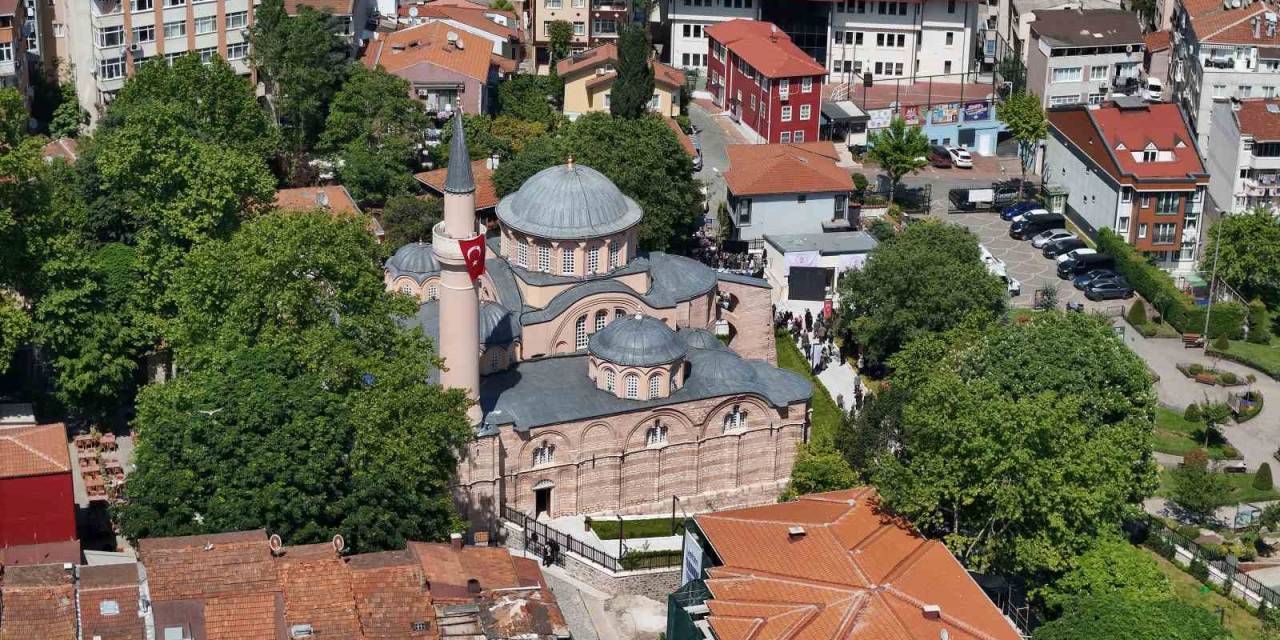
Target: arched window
x: 632, y: 386
x: 593, y: 260
x: 404, y: 288
x: 566, y: 261
x: 522, y: 255
x: 544, y: 454
x: 656, y: 435
x: 433, y: 293
x: 655, y: 386
x: 610, y: 379
x: 614, y: 253
x: 544, y: 258
x: 580, y: 333
x: 618, y: 313
x: 602, y: 317
x: 735, y: 420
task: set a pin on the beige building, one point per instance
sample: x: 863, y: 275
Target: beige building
x: 588, y: 80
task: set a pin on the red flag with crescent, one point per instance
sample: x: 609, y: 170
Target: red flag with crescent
x: 473, y: 254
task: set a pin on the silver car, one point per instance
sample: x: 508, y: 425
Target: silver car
x: 1052, y: 235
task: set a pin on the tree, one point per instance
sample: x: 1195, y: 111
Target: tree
x: 410, y: 219
x: 1192, y: 413
x: 1197, y: 489
x: 1262, y: 478
x: 1116, y: 617
x: 501, y: 5
x: 641, y: 156
x: 633, y: 88
x: 559, y: 35
x: 1014, y: 72
x: 374, y: 108
x: 817, y: 469
x: 871, y: 433
x: 1245, y: 250
x: 13, y: 118
x: 503, y: 136
x: 898, y: 150
x: 337, y: 414
x: 532, y: 98
x: 1259, y: 323
x: 68, y: 116
x: 1025, y: 120
x: 1137, y: 314
x: 1022, y: 443
x: 373, y: 175
x: 1113, y: 567
x: 927, y: 278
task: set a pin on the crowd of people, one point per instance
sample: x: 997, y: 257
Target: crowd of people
x: 815, y: 337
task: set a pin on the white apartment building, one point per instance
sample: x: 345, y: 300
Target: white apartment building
x: 690, y: 18
x: 1087, y: 56
x: 595, y: 22
x: 896, y: 39
x: 1244, y: 161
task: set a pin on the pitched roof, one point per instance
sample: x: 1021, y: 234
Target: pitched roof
x: 334, y: 198
x: 42, y: 553
x: 855, y: 572
x: 1098, y: 132
x: 1092, y: 28
x: 317, y: 591
x: 109, y: 602
x: 765, y: 47
x: 34, y: 450
x: 390, y: 595
x: 608, y: 54
x: 8, y: 7
x: 39, y: 602
x: 1215, y: 24
x: 1159, y: 41
x: 1256, y: 118
x: 429, y: 44
x: 336, y: 7
x: 773, y: 169
x: 470, y: 15
x: 65, y: 148
x: 486, y: 193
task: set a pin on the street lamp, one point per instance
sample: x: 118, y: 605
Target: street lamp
x: 1213, y: 280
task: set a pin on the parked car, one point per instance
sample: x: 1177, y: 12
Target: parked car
x: 1108, y: 289
x: 1074, y: 253
x: 1052, y: 235
x: 1055, y: 249
x: 1153, y: 91
x: 1018, y: 208
x: 1085, y: 279
x: 1069, y: 269
x: 1033, y: 223
x: 939, y: 157
x: 1030, y: 212
x: 960, y: 158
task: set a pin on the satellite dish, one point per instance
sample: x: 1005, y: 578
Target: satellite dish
x: 413, y: 12
x: 275, y: 543
x: 338, y: 543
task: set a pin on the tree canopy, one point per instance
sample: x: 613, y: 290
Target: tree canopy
x: 1113, y: 567
x: 532, y: 98
x: 1196, y: 488
x: 408, y: 219
x: 633, y: 88
x: 898, y: 150
x: 818, y: 469
x: 1246, y: 248
x: 1117, y: 617
x: 1024, y: 118
x: 374, y: 128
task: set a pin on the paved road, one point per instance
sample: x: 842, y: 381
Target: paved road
x: 715, y: 161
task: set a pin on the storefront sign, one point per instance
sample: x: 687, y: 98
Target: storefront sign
x: 911, y: 115
x: 946, y: 114
x: 879, y: 118
x: 976, y: 111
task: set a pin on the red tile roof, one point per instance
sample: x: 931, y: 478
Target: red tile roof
x: 592, y: 59
x: 43, y: 553
x: 191, y: 567
x: 1098, y: 133
x: 317, y: 591
x: 390, y: 594
x: 34, y: 450
x: 429, y: 44
x: 109, y: 602
x: 1214, y: 24
x: 39, y: 602
x: 470, y: 15
x: 334, y: 198
x: 486, y: 193
x: 65, y: 148
x: 765, y: 47
x: 1158, y: 41
x: 854, y: 573
x: 775, y: 169
x: 1255, y: 119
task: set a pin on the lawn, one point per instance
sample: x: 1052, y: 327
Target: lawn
x: 607, y: 528
x: 1242, y: 624
x: 1265, y: 357
x: 826, y: 415
x: 1241, y: 488
x: 1177, y: 436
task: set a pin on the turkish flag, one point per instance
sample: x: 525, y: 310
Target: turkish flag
x: 473, y: 253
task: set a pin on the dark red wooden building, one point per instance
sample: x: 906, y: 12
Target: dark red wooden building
x: 37, y: 499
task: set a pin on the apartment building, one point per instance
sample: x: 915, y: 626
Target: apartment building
x: 1244, y: 161
x: 689, y: 20
x: 1084, y: 56
x: 13, y: 59
x: 771, y: 88
x: 1222, y: 49
x: 1016, y: 16
x: 1131, y: 167
x: 595, y: 22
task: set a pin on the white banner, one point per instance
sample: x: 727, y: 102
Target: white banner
x: 692, y: 559
x: 799, y: 259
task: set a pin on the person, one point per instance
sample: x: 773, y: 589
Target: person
x: 840, y: 401
x: 553, y: 552
x: 808, y: 320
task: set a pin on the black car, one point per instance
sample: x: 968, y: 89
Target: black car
x: 1059, y: 247
x: 1032, y: 224
x: 1085, y: 279
x: 1069, y: 269
x: 1108, y: 289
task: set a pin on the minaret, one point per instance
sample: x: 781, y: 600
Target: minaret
x: 459, y: 303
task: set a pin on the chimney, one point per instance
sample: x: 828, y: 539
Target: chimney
x: 795, y: 533
x: 931, y: 611
x: 480, y: 538
x: 455, y: 540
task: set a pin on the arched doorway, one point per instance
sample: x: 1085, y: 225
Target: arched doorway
x: 542, y: 498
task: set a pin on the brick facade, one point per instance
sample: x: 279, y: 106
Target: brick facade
x: 751, y: 316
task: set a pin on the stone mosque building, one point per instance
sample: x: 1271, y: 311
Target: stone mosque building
x: 600, y: 382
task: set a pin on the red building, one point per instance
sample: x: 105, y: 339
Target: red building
x: 764, y: 81
x: 37, y: 502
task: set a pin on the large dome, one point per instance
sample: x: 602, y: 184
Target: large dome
x: 568, y: 202
x: 637, y: 341
x: 413, y: 259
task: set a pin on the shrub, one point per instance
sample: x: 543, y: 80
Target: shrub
x: 684, y: 123
x: 1199, y: 569
x: 1259, y: 323
x: 1262, y: 478
x: 1222, y: 343
x: 1195, y: 369
x: 1189, y: 531
x: 1192, y: 413
x: 1197, y: 457
x: 1231, y: 453
x: 1226, y: 377
x: 1138, y: 314
x: 859, y: 182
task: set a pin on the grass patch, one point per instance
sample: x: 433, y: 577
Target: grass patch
x: 651, y: 559
x: 1263, y: 357
x: 608, y: 529
x: 1241, y: 488
x: 1241, y: 622
x: 1018, y: 315
x: 826, y: 415
x: 1177, y: 436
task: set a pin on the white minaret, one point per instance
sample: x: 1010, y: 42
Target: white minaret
x: 459, y: 303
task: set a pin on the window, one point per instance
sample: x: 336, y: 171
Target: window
x: 433, y: 293
x: 174, y: 3
x: 609, y: 380
x: 580, y: 333
x: 802, y: 198
x: 555, y: 4
x: 206, y: 24
x: 784, y: 87
x: 1142, y: 230
x: 109, y: 608
x: 1149, y: 155
x: 593, y: 260
x: 946, y: 66
x: 786, y: 113
x: 1067, y: 74
x: 522, y: 255
x: 602, y: 318
x: 1164, y: 233
x: 806, y: 111
x: 1146, y: 201
x: 111, y: 36
x: 238, y: 51
x: 207, y: 54
x: 951, y: 6
x: 1122, y: 225
x: 1126, y: 194
x: 1244, y: 91
x: 880, y: 39
x: 1098, y: 73
x: 141, y: 5
x: 615, y: 250
x: 579, y: 4
x: 857, y: 38
x: 798, y: 138
x: 111, y: 68
x: 1219, y: 90
x: 493, y: 359
x: 655, y: 386
x: 657, y: 434
x: 1188, y: 251
x: 951, y: 38
x: 604, y: 27
x: 656, y: 101
x: 170, y: 58
x: 6, y: 52
x: 735, y: 419
x: 1167, y: 202
x: 544, y: 258
x: 175, y: 29
x: 237, y: 20
x: 544, y: 454
x: 1057, y: 101
x: 842, y: 205
x: 806, y: 85
x: 579, y: 28
x: 744, y: 205
x: 631, y: 386
x: 1097, y: 98
x: 144, y: 34
x: 566, y: 261
x: 619, y: 313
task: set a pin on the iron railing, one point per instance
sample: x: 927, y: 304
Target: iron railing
x: 537, y: 535
x: 1221, y: 572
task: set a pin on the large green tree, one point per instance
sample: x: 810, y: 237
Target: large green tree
x: 633, y: 89
x: 408, y: 219
x: 898, y: 150
x: 559, y: 35
x: 1244, y: 250
x: 533, y: 98
x: 817, y: 469
x: 504, y: 136
x: 1117, y: 617
x: 13, y: 118
x: 1025, y: 120
x: 1021, y: 444
x: 928, y: 278
x: 1196, y: 488
x: 1113, y: 567
x: 641, y: 156
x: 303, y: 406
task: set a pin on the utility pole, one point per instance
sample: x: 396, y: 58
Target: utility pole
x: 1213, y: 280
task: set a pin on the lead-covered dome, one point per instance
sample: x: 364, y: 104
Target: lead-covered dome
x: 637, y: 341
x: 414, y: 259
x: 568, y: 202
x: 723, y: 366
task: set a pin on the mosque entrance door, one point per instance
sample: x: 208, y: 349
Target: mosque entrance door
x: 542, y: 499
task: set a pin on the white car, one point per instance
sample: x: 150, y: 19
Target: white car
x: 1029, y: 212
x: 1072, y: 255
x: 1153, y: 91
x: 960, y: 158
x: 1052, y: 235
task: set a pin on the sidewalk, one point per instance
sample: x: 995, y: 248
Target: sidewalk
x: 840, y: 381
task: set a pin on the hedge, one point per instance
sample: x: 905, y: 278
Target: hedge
x: 1176, y: 307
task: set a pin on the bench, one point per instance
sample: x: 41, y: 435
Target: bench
x: 1192, y: 340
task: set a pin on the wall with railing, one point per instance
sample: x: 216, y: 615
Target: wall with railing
x: 1222, y: 573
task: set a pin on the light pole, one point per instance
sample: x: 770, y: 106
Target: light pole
x: 1213, y: 279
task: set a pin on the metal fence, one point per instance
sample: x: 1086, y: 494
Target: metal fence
x: 1221, y: 572
x: 538, y: 535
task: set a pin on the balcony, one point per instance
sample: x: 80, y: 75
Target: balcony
x: 609, y: 5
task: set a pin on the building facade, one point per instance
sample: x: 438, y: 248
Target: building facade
x: 588, y: 82
x: 689, y: 19
x: 37, y: 501
x: 13, y: 48
x: 902, y: 39
x: 804, y: 269
x: 771, y: 88
x: 595, y: 22
x: 446, y: 68
x: 785, y: 188
x: 1133, y: 168
x: 1244, y: 161
x: 1084, y: 57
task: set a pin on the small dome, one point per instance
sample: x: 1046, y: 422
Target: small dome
x: 497, y: 325
x: 568, y: 202
x: 722, y: 365
x: 637, y: 341
x: 701, y: 339
x: 415, y: 258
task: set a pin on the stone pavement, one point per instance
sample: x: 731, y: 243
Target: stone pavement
x: 592, y: 614
x: 840, y: 382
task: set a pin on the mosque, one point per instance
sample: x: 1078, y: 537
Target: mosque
x: 606, y: 379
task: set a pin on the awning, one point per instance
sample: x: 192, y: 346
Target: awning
x: 842, y: 111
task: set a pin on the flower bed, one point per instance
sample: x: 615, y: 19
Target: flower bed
x: 1250, y: 406
x: 1209, y: 376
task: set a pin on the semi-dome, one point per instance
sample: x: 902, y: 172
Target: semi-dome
x: 637, y: 341
x: 701, y: 339
x: 497, y: 325
x: 413, y: 259
x: 724, y: 366
x: 568, y: 202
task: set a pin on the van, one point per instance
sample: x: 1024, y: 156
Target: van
x: 1154, y: 91
x: 1073, y: 267
x: 1032, y: 224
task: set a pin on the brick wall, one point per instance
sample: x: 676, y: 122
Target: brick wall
x: 753, y: 320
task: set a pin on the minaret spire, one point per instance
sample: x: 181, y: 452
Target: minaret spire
x: 458, y: 179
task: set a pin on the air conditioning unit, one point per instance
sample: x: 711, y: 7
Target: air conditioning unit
x: 424, y: 93
x: 601, y: 71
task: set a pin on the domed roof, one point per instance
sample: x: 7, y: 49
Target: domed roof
x: 638, y: 341
x: 497, y: 325
x: 414, y: 259
x: 701, y: 339
x: 568, y: 202
x: 723, y: 365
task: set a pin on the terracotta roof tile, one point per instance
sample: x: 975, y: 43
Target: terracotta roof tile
x: 472, y: 15
x: 608, y: 54
x: 109, y: 602
x: 771, y: 169
x: 390, y: 595
x: 1158, y: 41
x: 34, y: 450
x: 1098, y: 132
x: 429, y: 44
x: 39, y: 602
x: 1212, y: 23
x: 1256, y: 119
x: 205, y: 566
x: 317, y: 591
x: 43, y: 553
x: 765, y: 47
x: 239, y: 616
x: 65, y: 148
x: 486, y: 193
x: 334, y: 198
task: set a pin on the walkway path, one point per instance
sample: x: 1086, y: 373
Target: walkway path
x: 840, y: 381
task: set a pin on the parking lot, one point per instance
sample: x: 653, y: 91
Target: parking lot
x: 1025, y: 263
